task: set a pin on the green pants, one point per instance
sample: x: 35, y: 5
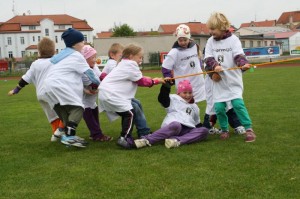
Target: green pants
x: 240, y: 109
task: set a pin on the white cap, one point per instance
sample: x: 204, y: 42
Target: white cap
x: 183, y: 31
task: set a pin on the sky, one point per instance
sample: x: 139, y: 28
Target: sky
x: 144, y: 15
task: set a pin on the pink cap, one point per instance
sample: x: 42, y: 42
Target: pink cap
x: 184, y: 86
x: 88, y: 51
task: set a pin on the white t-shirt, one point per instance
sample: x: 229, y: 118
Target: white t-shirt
x: 37, y: 74
x: 224, y: 51
x: 89, y: 101
x: 119, y: 87
x: 109, y: 66
x: 182, y: 112
x: 185, y: 62
x: 63, y: 84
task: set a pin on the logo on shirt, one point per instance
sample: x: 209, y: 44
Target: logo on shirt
x: 188, y: 111
x: 220, y: 59
x: 192, y: 64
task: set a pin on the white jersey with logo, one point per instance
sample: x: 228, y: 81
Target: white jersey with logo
x: 184, y: 62
x: 181, y: 111
x: 89, y: 101
x: 36, y: 75
x: 224, y: 51
x: 63, y: 84
x: 109, y: 66
x: 119, y: 87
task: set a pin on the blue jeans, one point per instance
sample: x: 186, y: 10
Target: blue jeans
x: 139, y: 118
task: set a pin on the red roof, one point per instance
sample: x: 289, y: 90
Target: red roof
x: 195, y: 27
x: 285, y: 17
x: 15, y: 23
x: 31, y: 47
x: 282, y: 35
x: 266, y: 23
x: 104, y: 34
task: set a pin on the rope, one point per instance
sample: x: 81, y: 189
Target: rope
x: 235, y: 68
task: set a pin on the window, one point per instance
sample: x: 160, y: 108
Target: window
x: 251, y: 44
x: 39, y: 38
x: 10, y: 54
x: 23, y: 53
x: 243, y: 44
x: 22, y: 40
x: 272, y: 43
x: 56, y: 40
x: 47, y: 32
x: 61, y: 27
x: 33, y: 38
x: 266, y: 43
x: 56, y: 51
x: 9, y: 41
x: 85, y: 38
x: 31, y: 27
x: 259, y: 43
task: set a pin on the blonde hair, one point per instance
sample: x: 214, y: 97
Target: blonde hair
x: 114, y: 49
x: 131, y: 49
x: 46, y: 48
x: 218, y: 21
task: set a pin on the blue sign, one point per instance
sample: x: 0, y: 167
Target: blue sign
x: 270, y: 51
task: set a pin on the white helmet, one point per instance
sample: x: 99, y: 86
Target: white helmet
x: 183, y: 31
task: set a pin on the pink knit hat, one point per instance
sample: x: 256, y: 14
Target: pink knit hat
x: 87, y: 51
x: 184, y: 86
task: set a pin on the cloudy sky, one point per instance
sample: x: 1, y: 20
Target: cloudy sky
x: 143, y: 15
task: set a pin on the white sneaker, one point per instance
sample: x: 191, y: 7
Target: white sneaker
x: 56, y: 135
x: 171, y: 143
x: 214, y: 130
x: 240, y: 130
x: 139, y: 143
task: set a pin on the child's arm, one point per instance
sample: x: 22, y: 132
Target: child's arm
x: 103, y: 75
x: 94, y: 79
x: 211, y: 64
x: 240, y: 60
x: 22, y: 83
x: 148, y: 82
x: 164, y: 94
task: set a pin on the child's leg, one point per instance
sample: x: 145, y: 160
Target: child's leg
x: 206, y: 121
x: 91, y: 118
x: 172, y: 129
x: 242, y: 113
x: 55, y: 124
x: 139, y: 118
x: 191, y: 135
x: 221, y: 115
x: 233, y: 119
x: 127, y: 123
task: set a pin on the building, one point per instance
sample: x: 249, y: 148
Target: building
x: 266, y: 23
x: 289, y: 19
x: 20, y: 35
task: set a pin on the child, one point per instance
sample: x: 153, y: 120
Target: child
x: 115, y: 55
x: 183, y: 60
x: 64, y: 88
x: 222, y: 52
x: 182, y: 122
x: 36, y: 75
x: 118, y: 88
x: 91, y: 114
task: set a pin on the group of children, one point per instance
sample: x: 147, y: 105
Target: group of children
x: 67, y: 86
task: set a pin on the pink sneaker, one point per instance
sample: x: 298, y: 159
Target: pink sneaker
x: 250, y: 136
x: 224, y: 135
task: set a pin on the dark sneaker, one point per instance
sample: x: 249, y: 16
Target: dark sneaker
x: 127, y: 143
x: 224, y: 135
x: 250, y: 136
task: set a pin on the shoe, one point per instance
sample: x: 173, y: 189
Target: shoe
x: 171, y: 143
x: 214, y: 130
x: 250, y: 136
x: 102, y: 138
x: 56, y: 135
x: 224, y: 135
x: 73, y: 141
x: 240, y: 130
x: 139, y: 143
x: 126, y: 143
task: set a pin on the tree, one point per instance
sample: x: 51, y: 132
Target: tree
x: 123, y: 31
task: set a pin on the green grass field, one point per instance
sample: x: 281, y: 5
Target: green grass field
x: 33, y: 167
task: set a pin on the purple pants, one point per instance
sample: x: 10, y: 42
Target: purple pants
x: 91, y: 118
x: 185, y: 135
